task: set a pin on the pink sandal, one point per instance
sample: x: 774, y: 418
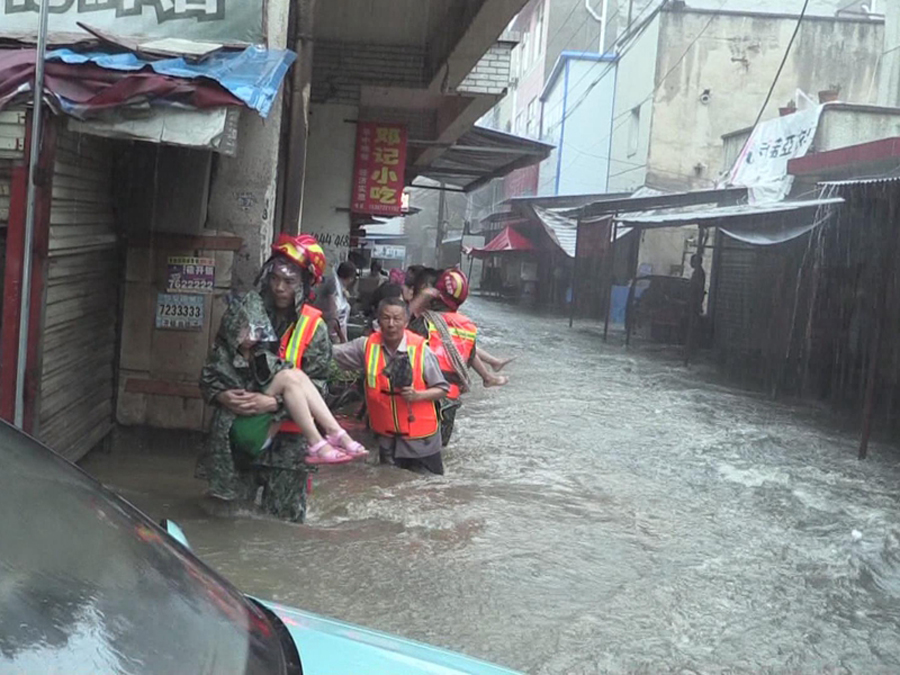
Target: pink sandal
x: 347, y: 445
x: 324, y: 453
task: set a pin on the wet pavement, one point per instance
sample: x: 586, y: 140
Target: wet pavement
x: 607, y: 512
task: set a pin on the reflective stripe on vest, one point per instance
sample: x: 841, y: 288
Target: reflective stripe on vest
x: 392, y: 415
x: 298, y: 338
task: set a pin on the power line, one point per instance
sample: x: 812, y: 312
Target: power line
x: 656, y: 87
x: 676, y: 64
x: 781, y: 66
x: 628, y: 38
x: 575, y: 6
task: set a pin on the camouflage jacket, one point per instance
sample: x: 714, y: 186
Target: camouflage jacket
x: 227, y: 369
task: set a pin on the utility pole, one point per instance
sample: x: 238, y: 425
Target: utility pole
x: 442, y: 204
x: 28, y: 254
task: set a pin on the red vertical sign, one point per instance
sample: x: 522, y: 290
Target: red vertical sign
x: 378, y: 178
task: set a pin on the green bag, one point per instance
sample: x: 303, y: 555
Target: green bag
x: 249, y: 434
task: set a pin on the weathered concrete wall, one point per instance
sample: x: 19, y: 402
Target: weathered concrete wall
x: 577, y: 121
x: 889, y: 80
x: 242, y: 194
x: 630, y: 146
x: 329, y: 179
x: 158, y: 369
x: 584, y: 168
x: 734, y: 61
x: 842, y: 126
x: 553, y: 110
x: 571, y: 28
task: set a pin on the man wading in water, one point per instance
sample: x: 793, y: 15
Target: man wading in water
x: 403, y: 383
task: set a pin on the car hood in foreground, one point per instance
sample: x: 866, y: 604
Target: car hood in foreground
x: 328, y: 647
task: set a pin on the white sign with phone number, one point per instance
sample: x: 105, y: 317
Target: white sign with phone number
x: 179, y: 312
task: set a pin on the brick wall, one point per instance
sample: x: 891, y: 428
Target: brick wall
x: 491, y: 74
x: 339, y: 69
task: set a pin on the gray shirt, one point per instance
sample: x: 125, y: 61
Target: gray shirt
x: 352, y: 356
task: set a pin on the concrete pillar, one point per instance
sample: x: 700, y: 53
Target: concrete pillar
x: 329, y: 177
x: 243, y: 190
x: 242, y: 195
x: 889, y: 76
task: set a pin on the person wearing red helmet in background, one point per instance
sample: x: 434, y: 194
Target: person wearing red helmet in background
x: 423, y: 289
x: 451, y: 336
x: 271, y: 351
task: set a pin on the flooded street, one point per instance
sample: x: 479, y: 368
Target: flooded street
x: 608, y: 512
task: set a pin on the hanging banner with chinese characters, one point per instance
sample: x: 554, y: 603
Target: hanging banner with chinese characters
x: 762, y: 166
x: 190, y: 275
x: 378, y: 178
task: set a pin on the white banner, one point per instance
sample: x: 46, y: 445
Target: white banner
x: 209, y: 20
x: 762, y: 165
x: 384, y: 252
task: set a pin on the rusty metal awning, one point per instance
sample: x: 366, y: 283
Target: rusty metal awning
x: 759, y: 224
x: 480, y: 155
x: 653, y: 199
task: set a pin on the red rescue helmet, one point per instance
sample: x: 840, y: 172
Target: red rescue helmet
x: 453, y: 287
x: 304, y: 251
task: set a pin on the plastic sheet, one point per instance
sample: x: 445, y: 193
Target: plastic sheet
x: 253, y: 75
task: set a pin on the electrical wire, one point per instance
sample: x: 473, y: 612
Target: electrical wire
x: 781, y: 66
x: 629, y: 39
x: 656, y: 87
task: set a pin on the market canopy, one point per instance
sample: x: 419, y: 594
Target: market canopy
x: 508, y: 241
x: 759, y: 224
x: 646, y: 199
x: 563, y: 229
x: 480, y: 155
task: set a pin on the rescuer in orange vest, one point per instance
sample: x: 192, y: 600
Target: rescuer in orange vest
x: 431, y: 289
x: 451, y: 336
x: 403, y: 383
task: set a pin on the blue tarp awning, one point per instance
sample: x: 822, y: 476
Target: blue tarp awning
x: 253, y: 75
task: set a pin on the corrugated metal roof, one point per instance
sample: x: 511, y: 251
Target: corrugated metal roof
x: 696, y: 215
x: 481, y: 154
x: 561, y: 229
x: 647, y: 198
x: 860, y: 181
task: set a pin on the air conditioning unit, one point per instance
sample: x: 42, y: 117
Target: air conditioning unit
x: 513, y: 82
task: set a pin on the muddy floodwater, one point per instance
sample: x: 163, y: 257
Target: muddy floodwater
x: 607, y: 512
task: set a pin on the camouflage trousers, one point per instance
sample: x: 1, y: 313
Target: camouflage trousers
x: 275, y: 482
x: 449, y: 409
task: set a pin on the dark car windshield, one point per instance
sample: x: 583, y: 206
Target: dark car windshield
x: 88, y: 585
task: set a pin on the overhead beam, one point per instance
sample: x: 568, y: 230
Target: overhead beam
x: 456, y: 115
x: 479, y: 34
x: 405, y: 98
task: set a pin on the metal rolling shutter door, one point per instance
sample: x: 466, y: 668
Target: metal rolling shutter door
x: 81, y: 312
x: 12, y: 150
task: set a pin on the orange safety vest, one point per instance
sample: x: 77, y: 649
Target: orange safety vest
x: 293, y: 346
x: 463, y: 331
x: 298, y: 336
x: 390, y: 414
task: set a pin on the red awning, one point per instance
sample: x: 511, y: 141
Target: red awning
x: 91, y: 90
x: 508, y: 241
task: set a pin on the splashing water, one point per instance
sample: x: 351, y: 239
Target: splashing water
x: 607, y: 512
